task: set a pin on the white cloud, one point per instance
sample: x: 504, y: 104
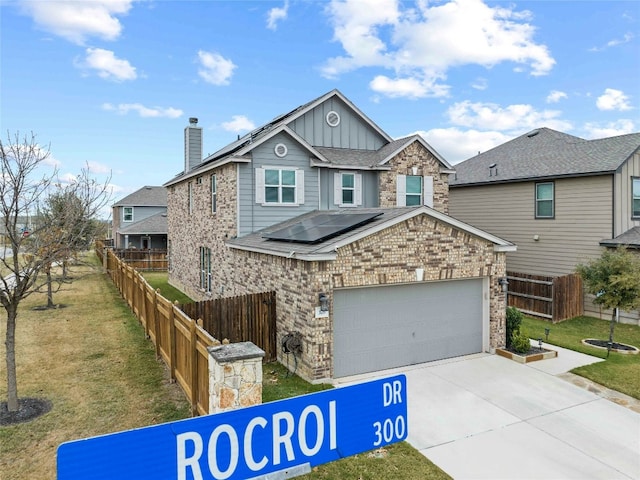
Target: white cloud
x: 479, y: 83
x: 107, y: 65
x: 277, y: 14
x: 238, y: 123
x: 612, y: 129
x: 145, y: 112
x: 627, y: 37
x: 407, y: 87
x: 456, y: 145
x: 613, y: 99
x: 77, y: 21
x: 215, y: 68
x: 95, y: 167
x: 424, y: 42
x: 555, y: 96
x: 512, y: 117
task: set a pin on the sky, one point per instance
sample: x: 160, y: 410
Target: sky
x: 109, y: 85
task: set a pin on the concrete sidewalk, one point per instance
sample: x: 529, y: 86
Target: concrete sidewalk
x: 488, y: 417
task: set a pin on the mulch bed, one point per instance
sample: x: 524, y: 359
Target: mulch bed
x: 28, y: 409
x: 614, y: 345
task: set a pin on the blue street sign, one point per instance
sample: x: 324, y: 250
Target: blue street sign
x: 251, y: 442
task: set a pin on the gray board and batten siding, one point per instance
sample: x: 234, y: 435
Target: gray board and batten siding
x: 352, y: 132
x: 376, y: 328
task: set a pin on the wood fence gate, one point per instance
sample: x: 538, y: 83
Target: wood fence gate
x: 246, y: 318
x: 553, y: 298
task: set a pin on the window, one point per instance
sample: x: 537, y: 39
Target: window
x: 214, y: 194
x: 545, y: 200
x: 127, y: 214
x: 347, y: 189
x: 190, y: 197
x: 414, y: 190
x: 635, y: 198
x: 205, y: 269
x: 279, y: 186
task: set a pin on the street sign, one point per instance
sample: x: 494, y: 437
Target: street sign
x: 288, y: 435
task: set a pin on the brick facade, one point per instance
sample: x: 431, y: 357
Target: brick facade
x: 415, y: 155
x: 384, y: 258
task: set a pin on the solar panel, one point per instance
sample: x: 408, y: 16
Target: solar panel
x: 321, y: 227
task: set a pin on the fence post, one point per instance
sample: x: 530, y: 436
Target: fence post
x: 172, y: 343
x: 156, y: 323
x: 194, y: 368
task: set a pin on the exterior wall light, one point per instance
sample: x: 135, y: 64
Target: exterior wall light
x: 504, y: 283
x: 324, y: 302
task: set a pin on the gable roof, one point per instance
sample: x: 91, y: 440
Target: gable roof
x: 155, y: 224
x: 147, y: 196
x: 326, y: 250
x: 546, y: 153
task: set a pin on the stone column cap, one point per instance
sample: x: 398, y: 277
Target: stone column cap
x: 235, y: 351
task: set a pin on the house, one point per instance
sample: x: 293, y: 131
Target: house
x: 350, y: 228
x: 560, y: 198
x: 140, y: 219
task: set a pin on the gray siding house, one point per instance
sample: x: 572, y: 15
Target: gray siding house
x: 560, y: 198
x: 350, y: 228
x: 140, y: 219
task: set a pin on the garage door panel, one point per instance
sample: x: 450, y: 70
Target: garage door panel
x: 384, y: 327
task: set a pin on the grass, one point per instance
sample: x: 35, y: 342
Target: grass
x: 92, y: 361
x: 399, y: 461
x: 159, y: 280
x: 619, y: 372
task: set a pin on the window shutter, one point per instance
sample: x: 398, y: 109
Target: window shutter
x: 401, y: 191
x: 337, y: 188
x: 358, y: 188
x: 428, y: 191
x: 299, y: 187
x: 259, y: 185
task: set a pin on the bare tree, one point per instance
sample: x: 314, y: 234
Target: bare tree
x: 23, y: 189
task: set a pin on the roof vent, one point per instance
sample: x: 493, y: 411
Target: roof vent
x: 333, y: 118
x: 193, y: 121
x: 280, y: 150
x: 493, y: 170
x: 533, y: 134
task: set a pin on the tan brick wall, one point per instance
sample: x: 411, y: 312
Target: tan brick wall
x: 201, y: 228
x: 415, y: 155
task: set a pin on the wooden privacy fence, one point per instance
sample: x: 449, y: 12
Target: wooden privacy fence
x: 246, y: 318
x: 178, y: 339
x: 150, y: 260
x: 553, y: 298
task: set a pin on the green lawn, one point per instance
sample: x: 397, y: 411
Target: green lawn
x: 160, y: 280
x: 619, y: 372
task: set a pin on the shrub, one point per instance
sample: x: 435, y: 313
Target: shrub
x: 514, y: 319
x: 520, y: 341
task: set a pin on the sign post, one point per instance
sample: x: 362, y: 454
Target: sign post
x: 290, y: 435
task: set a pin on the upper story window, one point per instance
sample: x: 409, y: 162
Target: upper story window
x: 347, y: 189
x: 414, y: 190
x: 279, y: 186
x: 214, y: 194
x: 127, y: 214
x: 190, y: 197
x: 545, y: 207
x: 635, y: 197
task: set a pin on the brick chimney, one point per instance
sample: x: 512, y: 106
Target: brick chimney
x: 192, y: 144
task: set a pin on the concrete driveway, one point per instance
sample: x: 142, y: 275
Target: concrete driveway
x: 487, y: 417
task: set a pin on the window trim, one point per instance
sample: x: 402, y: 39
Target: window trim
x: 205, y: 269
x: 190, y: 198
x: 214, y: 192
x: 338, y: 189
x: 261, y: 186
x: 124, y: 214
x: 635, y: 195
x: 412, y: 194
x: 537, y: 200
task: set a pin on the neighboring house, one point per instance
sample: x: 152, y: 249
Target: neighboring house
x: 560, y: 198
x: 350, y: 228
x: 140, y: 219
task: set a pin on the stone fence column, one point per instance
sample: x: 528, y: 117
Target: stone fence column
x: 235, y: 376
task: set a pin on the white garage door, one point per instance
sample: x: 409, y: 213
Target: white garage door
x: 392, y: 326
